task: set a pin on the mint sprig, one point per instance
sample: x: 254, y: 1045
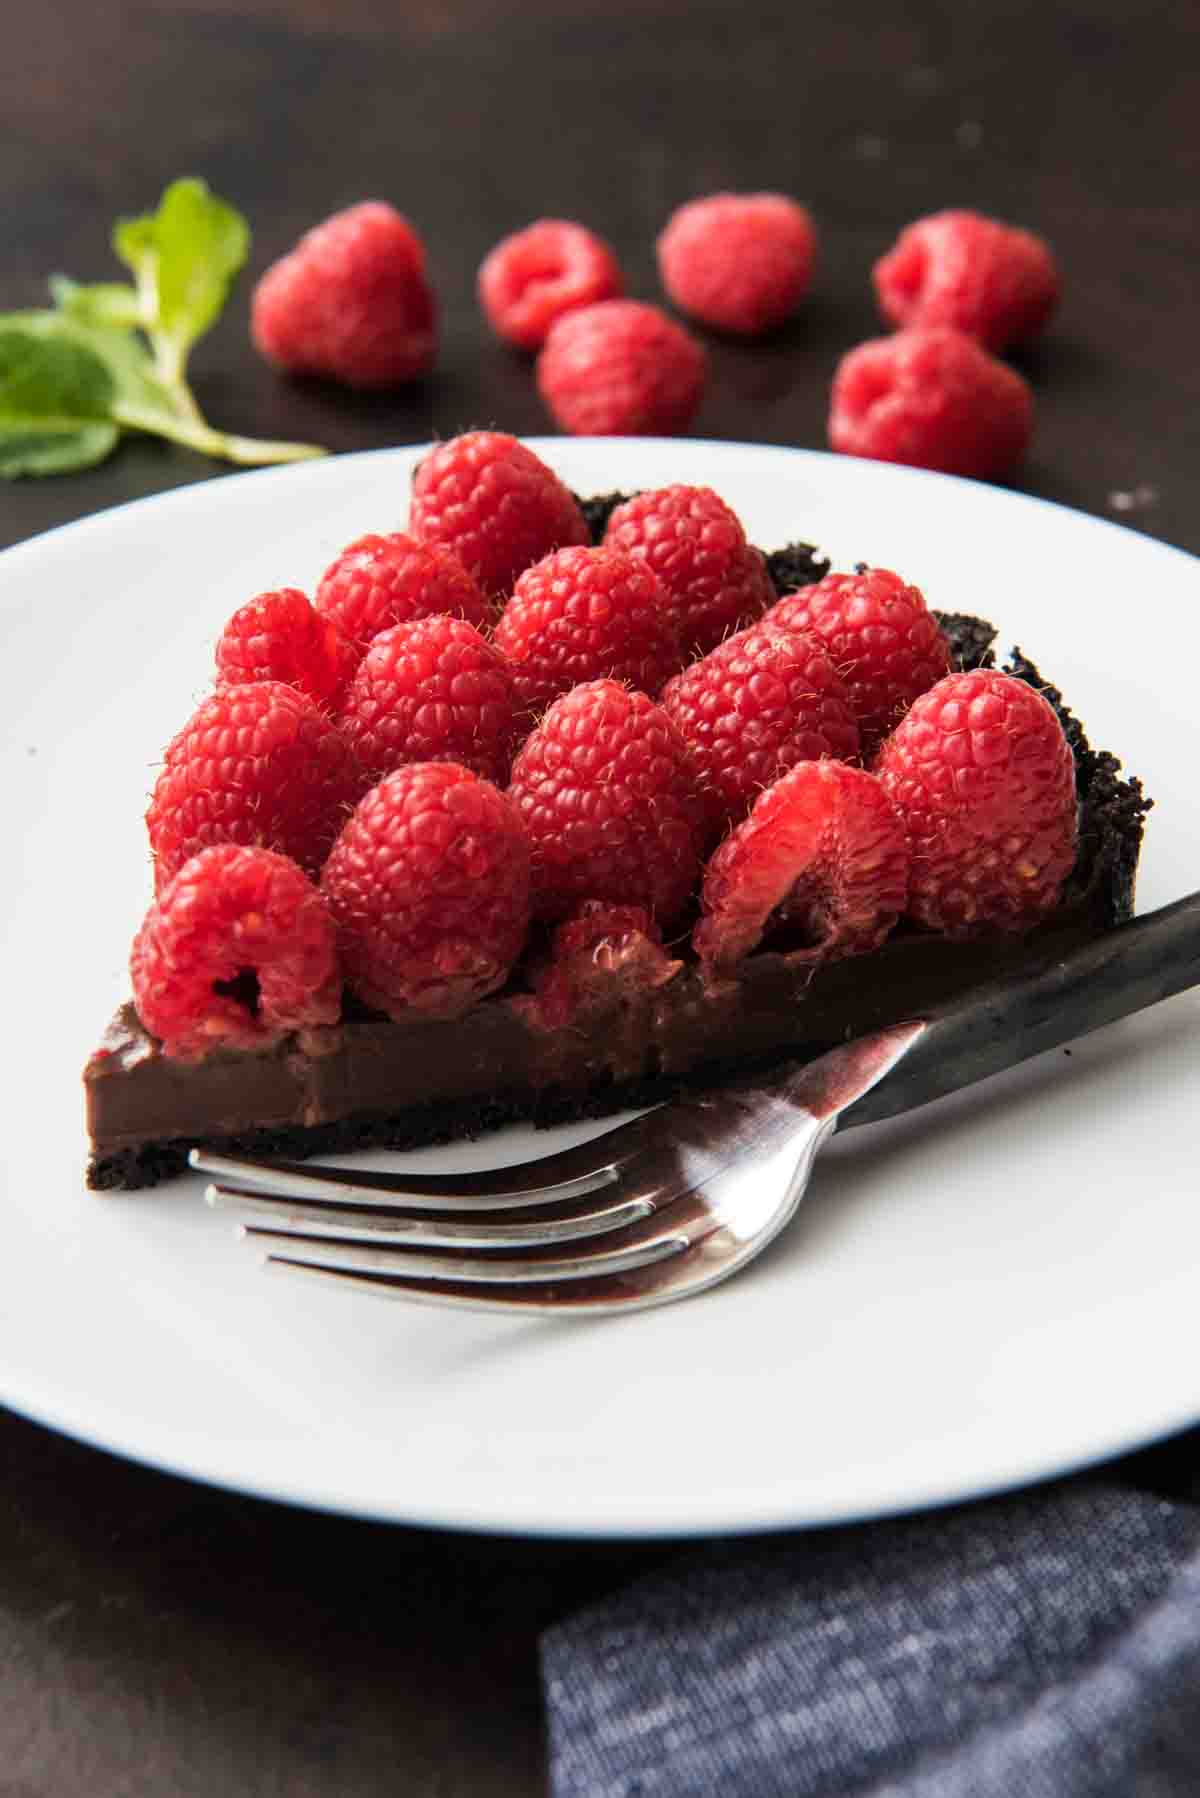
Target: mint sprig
x: 112, y: 356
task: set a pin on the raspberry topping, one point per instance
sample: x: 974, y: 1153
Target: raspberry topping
x: 237, y: 950
x: 739, y: 262
x: 761, y: 701
x: 429, y: 887
x: 696, y: 546
x: 600, y: 931
x: 582, y: 614
x: 279, y: 636
x: 495, y: 505
x: 255, y: 764
x: 433, y: 690
x: 621, y: 368
x: 351, y: 301
x: 984, y: 779
x: 995, y: 281
x: 533, y: 277
x: 380, y: 581
x: 607, y: 794
x: 820, y: 867
x: 933, y: 398
x: 884, y: 641
x: 598, y: 951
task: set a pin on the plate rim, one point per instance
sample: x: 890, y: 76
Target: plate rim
x: 546, y: 444
x: 919, y: 1500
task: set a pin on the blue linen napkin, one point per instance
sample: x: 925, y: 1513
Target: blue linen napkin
x: 1040, y: 1646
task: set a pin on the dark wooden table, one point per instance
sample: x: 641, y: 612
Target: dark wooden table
x: 157, y: 1637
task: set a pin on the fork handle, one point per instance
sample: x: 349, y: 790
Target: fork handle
x: 1005, y: 1022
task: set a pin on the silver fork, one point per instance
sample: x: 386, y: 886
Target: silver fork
x: 684, y: 1196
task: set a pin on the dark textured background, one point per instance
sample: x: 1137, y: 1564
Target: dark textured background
x: 159, y: 1638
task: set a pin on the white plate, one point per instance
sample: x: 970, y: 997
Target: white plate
x: 999, y: 1287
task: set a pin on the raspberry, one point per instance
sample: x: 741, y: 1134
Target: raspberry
x: 820, y: 867
x: 380, y: 581
x: 255, y: 764
x: 279, y: 636
x: 600, y: 930
x: 599, y: 950
x: 495, y: 505
x: 582, y: 614
x: 884, y: 641
x: 984, y: 778
x: 351, y: 301
x: 533, y: 277
x: 933, y: 398
x: 994, y: 281
x: 607, y: 794
x: 621, y: 368
x: 429, y: 887
x: 739, y: 262
x: 237, y: 950
x: 761, y: 701
x: 431, y: 691
x: 697, y: 548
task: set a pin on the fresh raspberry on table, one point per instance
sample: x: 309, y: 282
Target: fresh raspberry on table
x: 983, y: 776
x: 599, y: 953
x: 621, y: 368
x: 933, y: 398
x: 432, y: 690
x: 495, y: 505
x: 237, y: 950
x: 819, y: 868
x: 883, y: 639
x: 583, y: 614
x: 738, y: 262
x: 378, y: 581
x: 994, y: 281
x: 531, y: 278
x: 761, y: 701
x: 255, y: 764
x: 696, y: 546
x: 606, y: 791
x: 279, y: 636
x: 351, y: 301
x: 429, y: 887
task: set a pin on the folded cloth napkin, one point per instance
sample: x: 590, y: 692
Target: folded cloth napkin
x: 1041, y: 1646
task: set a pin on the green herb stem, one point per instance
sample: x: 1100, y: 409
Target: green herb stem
x: 195, y: 434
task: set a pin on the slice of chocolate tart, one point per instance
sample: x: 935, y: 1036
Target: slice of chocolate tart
x: 641, y: 1029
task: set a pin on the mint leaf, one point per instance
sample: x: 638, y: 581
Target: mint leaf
x: 101, y: 303
x: 184, y: 257
x: 133, y: 240
x: 54, y: 402
x: 202, y: 243
x: 34, y: 446
x: 45, y: 375
x: 124, y: 355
